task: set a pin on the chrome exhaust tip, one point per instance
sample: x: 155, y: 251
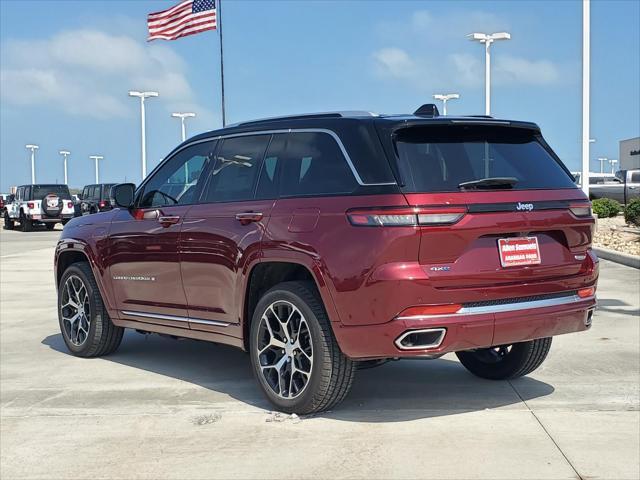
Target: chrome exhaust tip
x: 589, y: 318
x: 422, y: 339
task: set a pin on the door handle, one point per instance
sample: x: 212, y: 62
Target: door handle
x: 246, y: 218
x: 167, y: 221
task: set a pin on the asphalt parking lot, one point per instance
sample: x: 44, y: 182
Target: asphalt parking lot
x: 160, y: 408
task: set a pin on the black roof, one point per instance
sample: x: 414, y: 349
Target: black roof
x: 334, y: 120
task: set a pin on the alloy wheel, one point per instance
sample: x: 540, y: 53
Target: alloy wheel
x: 284, y: 349
x: 76, y: 310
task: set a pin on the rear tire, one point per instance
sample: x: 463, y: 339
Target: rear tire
x: 25, y: 224
x: 301, y: 369
x: 86, y: 329
x: 506, y: 362
x: 8, y: 223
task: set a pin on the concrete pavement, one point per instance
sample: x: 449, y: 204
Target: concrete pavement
x: 160, y: 408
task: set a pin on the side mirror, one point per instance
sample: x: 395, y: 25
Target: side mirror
x: 122, y: 195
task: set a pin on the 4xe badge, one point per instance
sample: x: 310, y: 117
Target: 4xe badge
x: 524, y: 207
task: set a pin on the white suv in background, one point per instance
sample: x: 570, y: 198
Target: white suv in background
x: 39, y: 204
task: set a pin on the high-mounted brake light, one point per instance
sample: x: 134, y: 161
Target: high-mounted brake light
x: 30, y: 205
x: 428, y: 310
x: 582, y: 209
x: 405, y: 217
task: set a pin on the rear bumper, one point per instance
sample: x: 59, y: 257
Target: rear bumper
x: 46, y: 219
x: 471, y: 328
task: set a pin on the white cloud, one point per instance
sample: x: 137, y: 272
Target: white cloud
x: 88, y: 72
x: 425, y: 64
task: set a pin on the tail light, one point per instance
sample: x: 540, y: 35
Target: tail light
x: 587, y: 292
x: 428, y: 310
x: 405, y: 216
x: 102, y: 203
x: 30, y: 205
x: 581, y: 209
x: 69, y: 204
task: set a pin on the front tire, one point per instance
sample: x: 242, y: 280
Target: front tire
x: 85, y: 325
x: 295, y: 357
x: 506, y: 362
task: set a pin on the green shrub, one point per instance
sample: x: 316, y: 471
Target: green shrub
x: 632, y: 212
x: 605, y: 207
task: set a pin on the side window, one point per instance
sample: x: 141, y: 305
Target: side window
x: 235, y: 172
x: 635, y: 177
x: 268, y: 182
x: 26, y: 194
x: 176, y: 182
x: 85, y: 193
x: 92, y: 192
x: 19, y: 194
x: 315, y: 165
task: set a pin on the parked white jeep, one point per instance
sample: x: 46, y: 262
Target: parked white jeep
x: 39, y: 204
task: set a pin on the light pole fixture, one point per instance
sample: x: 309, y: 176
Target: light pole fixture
x: 142, y: 96
x: 96, y: 158
x: 65, y: 154
x: 33, y: 149
x: 488, y: 39
x: 182, y: 117
x: 613, y: 165
x: 602, y: 160
x: 445, y: 97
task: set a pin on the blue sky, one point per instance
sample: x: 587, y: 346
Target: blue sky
x: 66, y: 67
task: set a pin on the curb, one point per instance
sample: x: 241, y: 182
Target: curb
x: 618, y: 257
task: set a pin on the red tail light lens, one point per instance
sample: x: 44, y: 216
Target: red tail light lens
x: 587, y: 292
x: 69, y: 204
x: 582, y: 209
x: 405, y: 217
x: 30, y: 205
x: 427, y: 310
x: 102, y: 203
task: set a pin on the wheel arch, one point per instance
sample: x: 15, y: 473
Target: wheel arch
x: 69, y: 252
x: 265, y: 275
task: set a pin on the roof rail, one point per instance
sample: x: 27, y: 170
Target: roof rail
x: 344, y: 114
x: 480, y: 116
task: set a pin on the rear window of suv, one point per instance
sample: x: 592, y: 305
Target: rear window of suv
x: 40, y: 191
x: 440, y: 158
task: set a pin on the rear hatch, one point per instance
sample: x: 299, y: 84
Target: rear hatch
x: 496, y: 207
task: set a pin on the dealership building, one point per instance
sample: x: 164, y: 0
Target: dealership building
x: 629, y: 153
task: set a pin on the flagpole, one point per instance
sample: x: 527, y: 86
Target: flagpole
x: 219, y: 16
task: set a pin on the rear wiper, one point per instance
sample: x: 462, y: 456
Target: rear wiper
x: 488, y: 183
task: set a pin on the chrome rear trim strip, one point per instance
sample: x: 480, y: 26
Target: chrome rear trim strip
x: 507, y: 307
x: 175, y: 318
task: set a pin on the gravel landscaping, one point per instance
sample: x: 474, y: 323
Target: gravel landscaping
x: 615, y: 234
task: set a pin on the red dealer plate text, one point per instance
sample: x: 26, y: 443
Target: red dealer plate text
x: 519, y: 251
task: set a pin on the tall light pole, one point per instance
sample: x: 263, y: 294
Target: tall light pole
x: 488, y: 39
x: 142, y: 96
x: 182, y: 117
x: 65, y: 154
x: 445, y: 97
x: 613, y: 165
x: 96, y: 158
x: 602, y: 160
x: 33, y: 149
x: 586, y: 120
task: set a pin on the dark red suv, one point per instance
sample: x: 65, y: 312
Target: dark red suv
x: 328, y: 242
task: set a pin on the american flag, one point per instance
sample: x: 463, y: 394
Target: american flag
x: 186, y: 18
